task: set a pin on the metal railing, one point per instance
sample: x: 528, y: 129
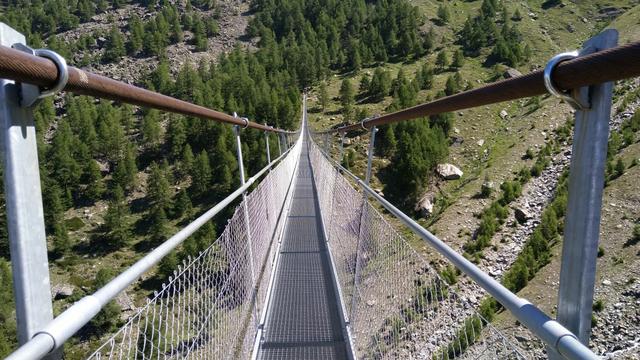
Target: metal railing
x: 396, y: 303
x: 28, y: 75
x: 588, y: 74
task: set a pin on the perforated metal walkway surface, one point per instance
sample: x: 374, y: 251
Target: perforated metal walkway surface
x: 303, y: 320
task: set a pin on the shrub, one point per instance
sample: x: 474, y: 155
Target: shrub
x: 598, y: 306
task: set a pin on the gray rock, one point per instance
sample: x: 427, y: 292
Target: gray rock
x: 522, y: 215
x: 504, y: 114
x: 449, y: 171
x: 425, y: 206
x: 62, y: 291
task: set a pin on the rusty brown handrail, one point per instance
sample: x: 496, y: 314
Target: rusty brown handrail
x: 22, y: 67
x: 608, y: 65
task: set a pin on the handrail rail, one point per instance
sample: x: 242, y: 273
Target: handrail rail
x: 603, y: 66
x: 22, y: 67
x: 551, y: 332
x: 65, y: 325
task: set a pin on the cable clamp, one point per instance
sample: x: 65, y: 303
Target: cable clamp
x: 566, y: 95
x: 30, y: 94
x: 246, y: 122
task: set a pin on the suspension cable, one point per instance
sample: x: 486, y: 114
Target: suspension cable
x: 22, y: 67
x: 603, y: 66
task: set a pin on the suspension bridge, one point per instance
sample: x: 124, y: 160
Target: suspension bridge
x: 308, y: 266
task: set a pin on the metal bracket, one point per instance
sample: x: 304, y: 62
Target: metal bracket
x: 569, y: 96
x: 30, y: 94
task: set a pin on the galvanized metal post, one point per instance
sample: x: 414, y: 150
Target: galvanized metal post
x: 25, y: 216
x: 236, y: 129
x: 280, y: 144
x: 341, y: 149
x: 266, y: 137
x: 374, y: 130
x: 363, y: 216
x: 586, y: 183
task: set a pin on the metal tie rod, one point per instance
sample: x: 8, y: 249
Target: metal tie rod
x: 612, y: 64
x: 63, y: 327
x: 26, y: 68
x: 551, y: 332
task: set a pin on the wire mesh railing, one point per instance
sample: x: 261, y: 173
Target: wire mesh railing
x: 209, y: 307
x: 397, y: 304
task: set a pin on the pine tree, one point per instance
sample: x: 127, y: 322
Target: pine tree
x: 183, y: 206
x: 114, y: 46
x: 136, y: 35
x: 116, y: 226
x: 151, y: 130
x: 200, y: 36
x: 64, y: 168
x: 61, y: 240
x: 347, y: 98
x: 159, y: 191
x: 159, y: 224
x: 201, y: 175
x: 126, y: 170
x: 380, y: 85
x: 187, y: 160
x: 442, y: 61
x: 323, y: 95
x: 458, y: 59
x: 443, y: 13
x: 177, y: 137
x: 95, y: 184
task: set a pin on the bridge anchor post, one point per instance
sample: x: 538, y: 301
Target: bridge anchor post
x: 25, y: 214
x: 586, y: 183
x: 236, y: 129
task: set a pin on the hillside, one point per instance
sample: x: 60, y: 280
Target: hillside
x: 119, y: 180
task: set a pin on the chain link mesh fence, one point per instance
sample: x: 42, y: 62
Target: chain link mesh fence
x: 398, y: 305
x: 210, y: 307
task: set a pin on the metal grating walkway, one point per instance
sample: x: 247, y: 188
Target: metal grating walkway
x: 303, y: 320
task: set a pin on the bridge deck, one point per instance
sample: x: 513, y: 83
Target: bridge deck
x: 303, y: 320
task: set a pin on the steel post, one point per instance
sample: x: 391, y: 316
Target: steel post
x: 586, y: 183
x: 25, y: 215
x: 363, y: 217
x: 266, y: 138
x: 374, y: 130
x: 245, y: 209
x: 280, y: 144
x: 341, y: 149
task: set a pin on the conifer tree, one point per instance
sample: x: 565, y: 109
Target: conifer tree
x: 136, y: 35
x: 323, y: 95
x: 95, y: 184
x: 199, y: 36
x: 159, y: 191
x: 201, y: 174
x: 458, y: 59
x: 151, y: 130
x: 347, y: 98
x: 115, y: 46
x: 199, y: 241
x: 183, y: 206
x: 124, y: 175
x: 159, y: 224
x: 380, y: 84
x: 106, y: 320
x: 442, y: 61
x: 177, y: 137
x: 61, y: 240
x: 117, y: 228
x: 187, y: 160
x: 443, y: 13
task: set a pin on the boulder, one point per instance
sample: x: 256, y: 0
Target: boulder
x: 449, y: 171
x: 480, y: 142
x: 504, y: 114
x: 522, y: 215
x: 511, y: 73
x: 62, y: 291
x: 425, y: 206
